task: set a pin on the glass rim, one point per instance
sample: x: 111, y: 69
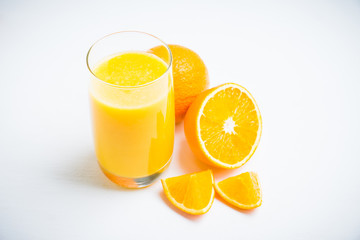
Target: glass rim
x: 130, y: 87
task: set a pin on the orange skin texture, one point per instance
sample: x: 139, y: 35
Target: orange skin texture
x: 189, y: 73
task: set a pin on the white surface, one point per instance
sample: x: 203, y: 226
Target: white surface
x: 300, y: 60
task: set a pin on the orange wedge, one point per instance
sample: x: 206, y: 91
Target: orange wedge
x: 191, y: 193
x: 242, y: 191
x: 223, y: 126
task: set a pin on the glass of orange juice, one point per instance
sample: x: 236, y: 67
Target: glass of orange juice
x: 132, y: 105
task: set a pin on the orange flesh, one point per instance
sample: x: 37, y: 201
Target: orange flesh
x: 193, y: 191
x: 243, y: 189
x: 229, y: 121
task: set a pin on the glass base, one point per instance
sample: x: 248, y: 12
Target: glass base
x: 135, y: 182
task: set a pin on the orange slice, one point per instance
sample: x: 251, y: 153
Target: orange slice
x: 242, y: 191
x: 223, y: 126
x: 191, y: 193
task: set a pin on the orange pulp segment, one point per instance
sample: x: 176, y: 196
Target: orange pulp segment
x: 192, y: 193
x: 242, y: 191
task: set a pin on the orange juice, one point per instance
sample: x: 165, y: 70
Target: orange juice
x: 132, y: 102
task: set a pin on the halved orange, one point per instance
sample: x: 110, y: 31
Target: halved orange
x: 223, y: 126
x: 192, y: 193
x: 242, y: 191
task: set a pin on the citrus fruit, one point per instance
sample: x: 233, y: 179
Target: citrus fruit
x: 189, y: 73
x: 242, y: 191
x: 192, y: 193
x: 223, y: 126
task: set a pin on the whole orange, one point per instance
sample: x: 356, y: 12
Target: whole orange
x: 190, y: 76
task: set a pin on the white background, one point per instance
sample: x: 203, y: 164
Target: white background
x: 300, y: 60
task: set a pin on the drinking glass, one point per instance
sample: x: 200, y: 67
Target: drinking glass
x: 133, y: 126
